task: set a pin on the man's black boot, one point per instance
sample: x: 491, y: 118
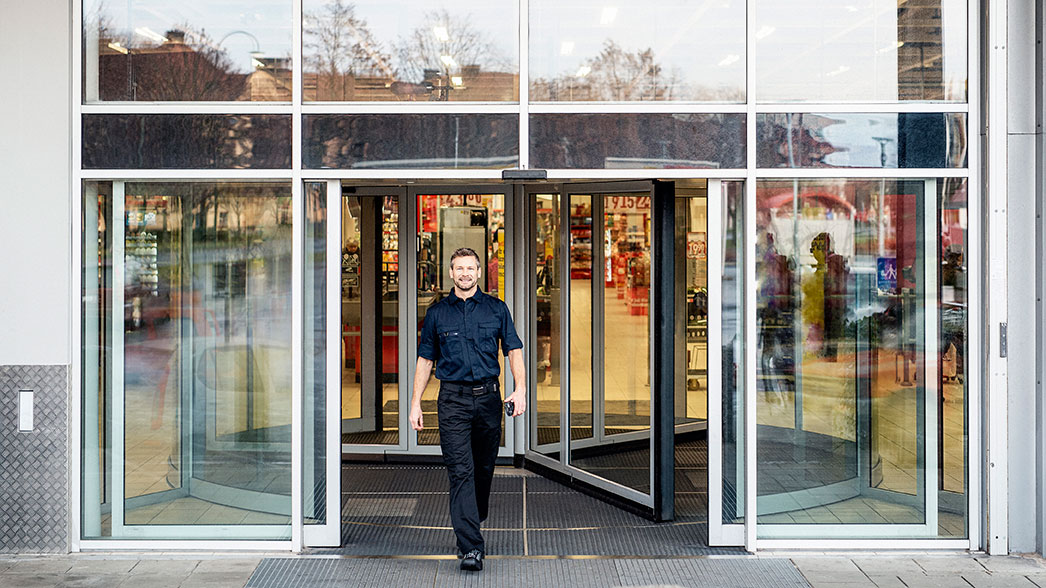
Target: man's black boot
x: 473, y: 561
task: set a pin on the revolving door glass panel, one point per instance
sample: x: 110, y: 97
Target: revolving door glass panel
x: 187, y: 427
x: 847, y: 360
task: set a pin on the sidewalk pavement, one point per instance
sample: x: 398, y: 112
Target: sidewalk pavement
x: 775, y: 569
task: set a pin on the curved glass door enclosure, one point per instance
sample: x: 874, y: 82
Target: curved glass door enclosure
x: 187, y: 428
x: 846, y: 361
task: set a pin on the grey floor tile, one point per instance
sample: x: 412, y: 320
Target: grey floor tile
x: 949, y: 564
x: 887, y: 566
x: 102, y: 566
x: 215, y: 580
x: 997, y: 580
x: 41, y: 566
x: 830, y: 564
x: 152, y: 581
x: 819, y: 577
x: 171, y: 567
x: 938, y: 581
x: 89, y: 581
x: 1012, y: 564
x: 30, y: 580
x: 887, y: 581
x: 222, y: 565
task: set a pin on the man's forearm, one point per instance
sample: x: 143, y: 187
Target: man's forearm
x: 519, y: 370
x: 421, y: 378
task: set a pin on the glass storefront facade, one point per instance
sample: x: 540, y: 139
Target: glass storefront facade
x: 269, y: 193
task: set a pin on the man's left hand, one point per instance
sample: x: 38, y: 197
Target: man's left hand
x: 519, y: 399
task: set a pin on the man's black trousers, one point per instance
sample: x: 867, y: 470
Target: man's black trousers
x: 469, y: 435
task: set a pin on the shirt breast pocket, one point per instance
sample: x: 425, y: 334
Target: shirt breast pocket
x: 487, y: 334
x: 450, y: 344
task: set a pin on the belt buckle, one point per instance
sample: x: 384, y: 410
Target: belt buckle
x: 479, y: 390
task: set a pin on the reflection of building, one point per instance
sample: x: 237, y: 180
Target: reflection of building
x: 471, y: 84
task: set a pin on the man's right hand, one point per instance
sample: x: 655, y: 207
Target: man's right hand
x: 417, y: 420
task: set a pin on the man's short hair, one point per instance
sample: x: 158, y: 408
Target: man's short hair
x: 464, y: 252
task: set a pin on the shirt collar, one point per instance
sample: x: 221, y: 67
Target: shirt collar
x: 476, y: 297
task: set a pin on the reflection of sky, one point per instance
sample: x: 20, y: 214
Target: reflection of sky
x: 702, y: 40
x: 268, y: 21
x: 856, y: 134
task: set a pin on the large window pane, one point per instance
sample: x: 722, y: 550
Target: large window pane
x: 904, y: 140
x: 637, y: 141
x: 391, y: 141
x: 855, y: 279
x: 548, y: 390
x: 314, y: 346
x: 186, y: 141
x: 865, y: 50
x: 148, y: 50
x: 187, y: 427
x: 587, y: 50
x: 409, y: 50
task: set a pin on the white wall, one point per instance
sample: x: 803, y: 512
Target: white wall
x: 1021, y: 275
x: 35, y: 39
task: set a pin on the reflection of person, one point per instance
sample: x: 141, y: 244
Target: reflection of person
x: 460, y: 335
x: 775, y: 305
x: 824, y: 294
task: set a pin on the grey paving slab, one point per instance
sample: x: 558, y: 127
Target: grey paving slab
x: 819, y: 577
x: 215, y: 580
x: 997, y: 580
x: 30, y: 581
x: 1012, y: 564
x: 227, y: 565
x: 887, y: 566
x: 949, y: 564
x: 829, y: 564
x: 886, y: 581
x: 936, y: 581
x: 89, y: 581
x: 169, y: 567
x: 1037, y: 579
x: 152, y: 581
x: 865, y: 584
x: 41, y: 566
x: 102, y: 566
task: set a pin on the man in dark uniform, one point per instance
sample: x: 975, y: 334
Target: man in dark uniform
x: 460, y: 335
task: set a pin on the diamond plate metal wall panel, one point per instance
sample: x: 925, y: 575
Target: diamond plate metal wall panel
x: 34, y: 480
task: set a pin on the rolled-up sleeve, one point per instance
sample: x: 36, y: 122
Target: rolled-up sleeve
x: 509, y: 338
x: 428, y: 346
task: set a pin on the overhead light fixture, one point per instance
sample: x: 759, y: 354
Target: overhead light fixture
x: 839, y: 70
x: 566, y: 48
x: 583, y: 71
x: 116, y: 46
x: 151, y: 34
x: 457, y: 81
x: 891, y: 47
x: 441, y: 34
x: 765, y: 31
x: 729, y: 59
x: 608, y: 15
x: 448, y: 60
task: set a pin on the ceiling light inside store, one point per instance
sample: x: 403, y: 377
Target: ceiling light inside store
x: 608, y: 15
x: 448, y: 61
x: 729, y: 59
x: 151, y: 34
x: 115, y: 46
x: 457, y: 81
x: 441, y: 34
x: 840, y: 70
x: 583, y: 71
x: 566, y: 48
x: 764, y: 32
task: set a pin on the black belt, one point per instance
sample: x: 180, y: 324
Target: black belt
x: 474, y: 388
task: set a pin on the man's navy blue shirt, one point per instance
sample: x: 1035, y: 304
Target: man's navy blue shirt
x: 462, y: 337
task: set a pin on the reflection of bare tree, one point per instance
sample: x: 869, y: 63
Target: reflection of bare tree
x: 446, y: 45
x: 614, y: 74
x: 185, y: 65
x: 339, y: 47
